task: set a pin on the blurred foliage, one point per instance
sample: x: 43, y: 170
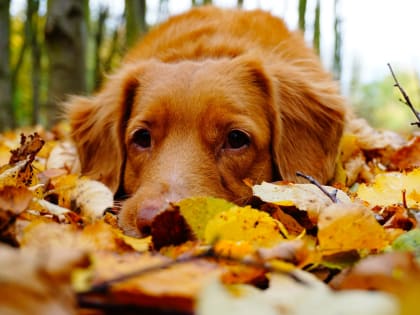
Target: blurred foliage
x: 379, y: 101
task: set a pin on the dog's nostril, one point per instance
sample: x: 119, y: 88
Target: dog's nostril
x: 145, y: 217
x: 144, y: 225
x: 146, y: 230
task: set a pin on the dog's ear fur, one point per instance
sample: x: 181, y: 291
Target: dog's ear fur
x: 308, y: 123
x: 98, y: 125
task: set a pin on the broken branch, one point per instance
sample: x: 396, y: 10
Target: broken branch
x: 406, y: 100
x: 332, y: 195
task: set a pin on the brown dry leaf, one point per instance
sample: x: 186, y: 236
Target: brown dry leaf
x: 172, y: 288
x: 292, y: 225
x: 349, y: 226
x: 369, y: 138
x: 29, y: 147
x: 170, y: 228
x: 408, y: 156
x: 38, y: 282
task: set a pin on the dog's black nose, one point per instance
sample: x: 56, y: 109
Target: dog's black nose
x: 145, y: 216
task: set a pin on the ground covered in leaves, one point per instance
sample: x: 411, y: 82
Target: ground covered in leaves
x: 349, y: 248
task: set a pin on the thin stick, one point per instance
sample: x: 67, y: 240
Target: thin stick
x: 209, y: 253
x: 406, y: 100
x: 332, y: 195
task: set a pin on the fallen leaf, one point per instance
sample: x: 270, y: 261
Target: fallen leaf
x: 349, y: 226
x: 245, y: 224
x: 29, y: 147
x: 199, y: 211
x: 38, y: 281
x: 387, y: 189
x: 170, y: 228
x: 88, y: 197
x: 305, y: 197
x: 408, y: 156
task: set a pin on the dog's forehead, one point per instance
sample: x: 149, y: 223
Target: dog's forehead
x: 195, y: 85
x: 187, y: 86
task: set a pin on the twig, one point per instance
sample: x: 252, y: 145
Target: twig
x: 208, y: 253
x: 404, y: 198
x: 406, y: 100
x: 332, y: 195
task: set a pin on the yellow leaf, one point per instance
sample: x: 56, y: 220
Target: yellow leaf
x: 387, y: 189
x: 199, y: 210
x: 245, y: 224
x: 349, y: 226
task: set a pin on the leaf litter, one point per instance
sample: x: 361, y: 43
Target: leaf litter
x: 294, y: 251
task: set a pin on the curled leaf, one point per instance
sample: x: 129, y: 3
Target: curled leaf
x: 88, y: 197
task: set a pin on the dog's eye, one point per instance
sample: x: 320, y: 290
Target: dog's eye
x: 237, y: 139
x: 142, y: 138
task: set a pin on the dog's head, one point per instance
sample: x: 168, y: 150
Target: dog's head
x: 161, y: 132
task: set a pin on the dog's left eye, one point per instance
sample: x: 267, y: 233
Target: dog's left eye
x: 142, y: 138
x: 237, y: 139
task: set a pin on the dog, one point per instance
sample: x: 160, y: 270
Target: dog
x: 205, y: 101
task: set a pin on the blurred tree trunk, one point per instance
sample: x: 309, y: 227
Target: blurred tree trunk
x: 135, y: 12
x: 99, y: 38
x: 32, y: 20
x: 115, y: 49
x: 6, y: 107
x: 207, y: 2
x: 240, y: 3
x: 193, y: 3
x: 317, y: 27
x: 302, y: 13
x: 65, y: 38
x: 337, y: 64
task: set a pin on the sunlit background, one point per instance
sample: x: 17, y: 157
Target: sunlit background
x: 373, y: 32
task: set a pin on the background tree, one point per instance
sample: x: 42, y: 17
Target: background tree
x: 6, y: 109
x: 317, y: 27
x: 135, y: 14
x: 66, y: 37
x: 98, y: 42
x: 337, y: 63
x: 32, y: 20
x: 302, y: 14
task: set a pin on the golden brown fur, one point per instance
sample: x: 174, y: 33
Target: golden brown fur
x: 191, y: 83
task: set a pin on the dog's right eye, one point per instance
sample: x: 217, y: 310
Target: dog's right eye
x: 142, y: 138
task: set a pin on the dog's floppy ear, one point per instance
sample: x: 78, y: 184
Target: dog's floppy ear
x: 98, y: 124
x: 309, y: 120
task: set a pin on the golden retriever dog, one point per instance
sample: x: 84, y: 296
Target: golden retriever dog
x: 206, y: 100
